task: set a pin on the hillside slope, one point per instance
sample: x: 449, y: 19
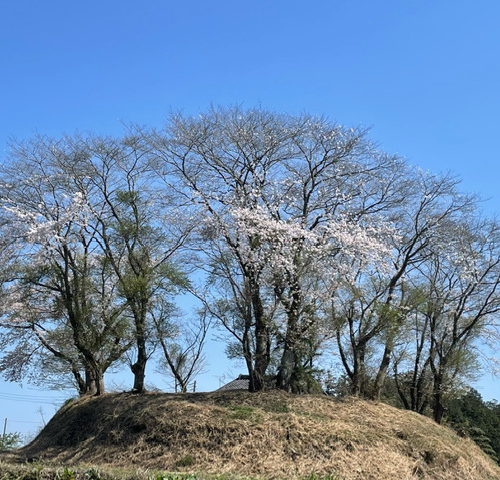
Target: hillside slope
x: 269, y: 435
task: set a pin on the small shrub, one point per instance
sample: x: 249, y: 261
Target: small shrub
x: 66, y: 474
x: 92, y: 474
x: 10, y: 441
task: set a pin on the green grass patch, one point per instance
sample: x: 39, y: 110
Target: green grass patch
x: 186, y: 461
x: 244, y: 412
x: 314, y: 476
x: 314, y: 416
x: 277, y: 407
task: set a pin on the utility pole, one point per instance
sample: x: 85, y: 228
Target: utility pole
x: 4, y: 431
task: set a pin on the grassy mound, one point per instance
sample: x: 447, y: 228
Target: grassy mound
x: 268, y: 435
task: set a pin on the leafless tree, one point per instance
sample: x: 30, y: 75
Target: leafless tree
x: 182, y: 344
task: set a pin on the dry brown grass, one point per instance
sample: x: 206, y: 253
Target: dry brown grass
x: 269, y: 435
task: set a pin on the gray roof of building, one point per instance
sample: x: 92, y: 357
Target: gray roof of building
x: 240, y: 383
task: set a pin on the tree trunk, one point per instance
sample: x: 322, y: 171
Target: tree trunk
x: 286, y: 369
x: 262, y: 343
x: 288, y: 362
x: 261, y: 359
x: 94, y: 381
x: 358, y: 380
x: 401, y: 393
x: 357, y: 387
x: 438, y: 404
x: 139, y: 367
x: 293, y: 375
x: 419, y: 398
x: 248, y: 356
x: 382, y: 371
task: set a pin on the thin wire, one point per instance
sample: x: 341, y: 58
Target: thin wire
x: 32, y: 397
x: 33, y: 401
x: 23, y: 421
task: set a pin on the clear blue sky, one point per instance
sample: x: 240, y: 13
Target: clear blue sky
x: 424, y: 75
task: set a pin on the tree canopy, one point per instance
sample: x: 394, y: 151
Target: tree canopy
x: 328, y: 263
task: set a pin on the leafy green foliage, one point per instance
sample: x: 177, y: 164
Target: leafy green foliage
x: 10, y: 441
x: 92, y: 474
x: 67, y: 474
x: 470, y: 415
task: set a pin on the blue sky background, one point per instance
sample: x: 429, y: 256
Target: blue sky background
x: 424, y: 75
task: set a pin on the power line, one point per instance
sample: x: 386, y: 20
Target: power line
x: 32, y: 400
x: 32, y: 397
x: 22, y: 397
x: 25, y: 421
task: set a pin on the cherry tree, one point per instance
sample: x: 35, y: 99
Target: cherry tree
x: 374, y: 305
x: 279, y: 199
x: 293, y: 232
x: 463, y: 300
x: 57, y: 287
x: 94, y: 244
x: 217, y: 162
x: 137, y: 231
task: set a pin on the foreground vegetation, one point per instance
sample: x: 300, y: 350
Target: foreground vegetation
x: 10, y: 471
x: 40, y: 471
